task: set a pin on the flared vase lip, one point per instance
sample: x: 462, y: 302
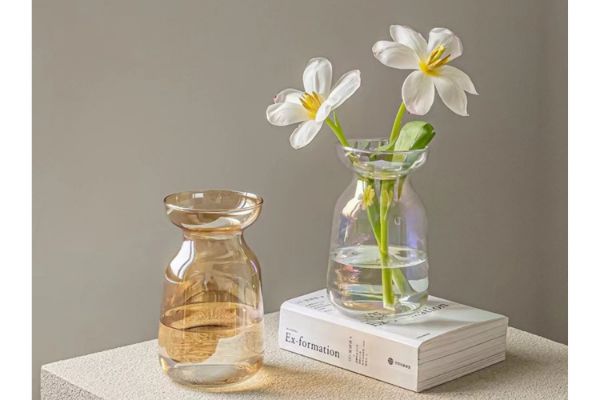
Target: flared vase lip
x: 171, y: 202
x: 356, y: 150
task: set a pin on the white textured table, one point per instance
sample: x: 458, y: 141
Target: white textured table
x: 535, y: 368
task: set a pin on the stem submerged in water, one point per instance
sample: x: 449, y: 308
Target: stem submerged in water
x: 385, y: 200
x: 390, y: 276
x: 373, y: 210
x: 397, y: 273
x: 377, y: 213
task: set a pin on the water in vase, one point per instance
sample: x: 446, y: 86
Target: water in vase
x: 354, y: 279
x: 211, y: 344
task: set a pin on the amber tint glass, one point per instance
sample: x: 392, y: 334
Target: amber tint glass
x: 211, y: 324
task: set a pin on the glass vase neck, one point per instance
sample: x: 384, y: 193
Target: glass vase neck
x: 212, y: 212
x: 370, y: 159
x: 221, y: 235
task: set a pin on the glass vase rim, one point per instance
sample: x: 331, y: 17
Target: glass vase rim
x: 354, y: 142
x: 255, y: 199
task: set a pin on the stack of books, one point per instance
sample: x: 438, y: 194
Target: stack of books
x: 441, y: 341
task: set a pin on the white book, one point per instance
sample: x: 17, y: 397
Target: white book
x: 442, y: 341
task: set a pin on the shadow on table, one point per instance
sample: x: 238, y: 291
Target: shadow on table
x: 273, y: 381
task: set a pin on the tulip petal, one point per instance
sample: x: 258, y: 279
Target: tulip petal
x: 459, y: 77
x: 305, y: 133
x: 396, y: 55
x: 343, y: 89
x: 446, y: 38
x: 282, y: 114
x: 289, y: 96
x: 452, y: 95
x: 410, y: 38
x: 317, y: 76
x: 418, y: 93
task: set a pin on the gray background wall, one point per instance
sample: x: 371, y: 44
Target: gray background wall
x: 137, y: 99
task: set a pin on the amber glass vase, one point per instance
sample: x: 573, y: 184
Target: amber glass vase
x: 211, y: 323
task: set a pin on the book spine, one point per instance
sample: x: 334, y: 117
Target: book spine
x: 304, y: 333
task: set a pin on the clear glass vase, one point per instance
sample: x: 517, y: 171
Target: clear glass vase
x: 211, y: 323
x: 378, y: 254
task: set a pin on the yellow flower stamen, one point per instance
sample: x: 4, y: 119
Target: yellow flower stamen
x: 434, y: 61
x: 440, y: 62
x: 311, y: 102
x: 368, y: 197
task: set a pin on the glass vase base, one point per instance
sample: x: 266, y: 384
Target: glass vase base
x: 356, y: 281
x: 357, y: 306
x: 211, y: 376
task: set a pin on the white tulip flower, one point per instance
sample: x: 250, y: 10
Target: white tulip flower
x: 312, y: 106
x: 409, y: 50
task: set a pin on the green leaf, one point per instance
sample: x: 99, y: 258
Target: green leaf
x: 414, y: 135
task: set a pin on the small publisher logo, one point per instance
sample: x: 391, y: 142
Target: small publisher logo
x: 391, y: 361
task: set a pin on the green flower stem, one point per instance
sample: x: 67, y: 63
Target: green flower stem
x: 337, y: 130
x: 397, y: 273
x: 385, y: 200
x: 373, y: 211
x: 395, y: 133
x: 389, y: 275
x: 377, y: 213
